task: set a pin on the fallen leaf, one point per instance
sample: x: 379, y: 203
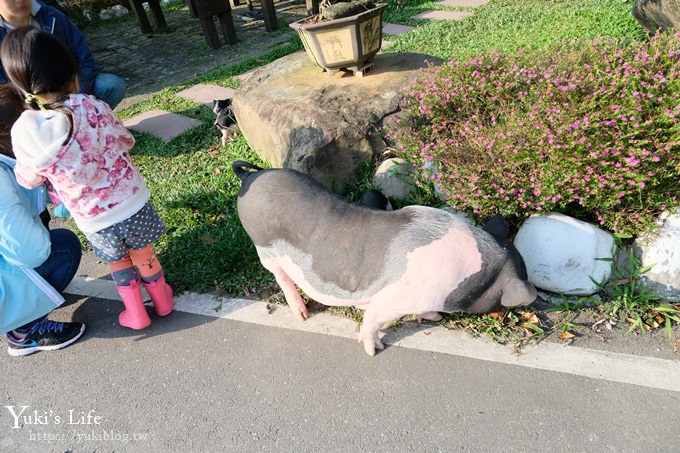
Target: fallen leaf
x: 208, y: 239
x: 676, y: 346
x: 566, y: 335
x: 217, y: 171
x: 532, y: 318
x: 498, y: 315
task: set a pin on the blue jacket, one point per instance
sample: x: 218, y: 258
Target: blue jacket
x: 24, y: 245
x: 54, y: 21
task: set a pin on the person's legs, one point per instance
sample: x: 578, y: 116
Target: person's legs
x: 127, y: 283
x: 58, y: 270
x: 109, y: 88
x: 62, y: 264
x: 153, y: 279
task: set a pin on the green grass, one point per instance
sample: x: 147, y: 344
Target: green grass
x: 206, y: 249
x: 507, y: 25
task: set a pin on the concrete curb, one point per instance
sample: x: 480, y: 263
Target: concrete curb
x: 610, y: 366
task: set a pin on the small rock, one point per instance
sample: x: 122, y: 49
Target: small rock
x: 395, y: 178
x: 120, y: 11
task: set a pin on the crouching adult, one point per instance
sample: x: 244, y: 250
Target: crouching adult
x: 36, y: 264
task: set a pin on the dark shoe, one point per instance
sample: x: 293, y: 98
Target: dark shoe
x: 44, y: 336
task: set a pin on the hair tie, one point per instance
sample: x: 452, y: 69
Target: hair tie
x: 31, y: 98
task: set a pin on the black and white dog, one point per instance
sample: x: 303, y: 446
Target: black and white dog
x: 225, y: 120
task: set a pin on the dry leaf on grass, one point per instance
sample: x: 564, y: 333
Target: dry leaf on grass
x: 497, y: 315
x: 566, y: 335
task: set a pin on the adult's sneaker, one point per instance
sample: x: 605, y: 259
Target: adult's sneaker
x: 44, y: 336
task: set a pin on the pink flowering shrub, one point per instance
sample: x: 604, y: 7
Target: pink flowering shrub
x: 590, y: 129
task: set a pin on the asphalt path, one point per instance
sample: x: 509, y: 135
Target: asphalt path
x: 240, y: 378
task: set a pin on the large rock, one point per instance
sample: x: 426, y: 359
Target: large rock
x: 657, y: 14
x: 295, y: 115
x: 562, y: 253
x: 661, y: 250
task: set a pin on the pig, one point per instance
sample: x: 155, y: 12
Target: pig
x: 414, y: 260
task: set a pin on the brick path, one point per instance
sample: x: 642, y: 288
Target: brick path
x: 150, y: 63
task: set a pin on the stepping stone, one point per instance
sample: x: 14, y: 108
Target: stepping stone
x: 463, y: 3
x: 385, y: 44
x: 161, y: 124
x: 205, y: 94
x: 395, y: 29
x: 442, y: 15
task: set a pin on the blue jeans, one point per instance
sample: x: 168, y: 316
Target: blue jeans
x: 109, y: 88
x: 62, y: 264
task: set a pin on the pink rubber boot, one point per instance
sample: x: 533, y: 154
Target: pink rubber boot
x: 134, y: 316
x: 161, y: 296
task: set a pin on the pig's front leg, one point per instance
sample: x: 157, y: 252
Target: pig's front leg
x: 295, y: 302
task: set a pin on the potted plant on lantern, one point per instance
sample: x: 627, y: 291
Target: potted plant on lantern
x: 345, y: 34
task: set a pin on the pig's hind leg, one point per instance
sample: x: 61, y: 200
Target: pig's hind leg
x: 430, y: 316
x: 374, y: 318
x: 293, y: 298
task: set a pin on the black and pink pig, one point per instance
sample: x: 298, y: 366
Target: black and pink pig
x: 415, y: 260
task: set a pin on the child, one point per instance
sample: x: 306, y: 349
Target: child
x: 75, y: 142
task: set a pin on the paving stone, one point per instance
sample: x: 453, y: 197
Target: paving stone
x: 161, y: 124
x: 395, y: 29
x: 149, y: 63
x: 442, y: 15
x: 206, y: 94
x: 463, y: 3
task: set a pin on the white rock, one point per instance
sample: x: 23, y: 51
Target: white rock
x: 120, y: 11
x: 561, y: 253
x: 394, y: 177
x: 107, y: 14
x: 662, y: 250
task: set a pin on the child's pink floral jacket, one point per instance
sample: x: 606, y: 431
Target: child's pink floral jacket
x: 91, y: 170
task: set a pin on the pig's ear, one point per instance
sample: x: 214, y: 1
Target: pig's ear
x: 518, y: 292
